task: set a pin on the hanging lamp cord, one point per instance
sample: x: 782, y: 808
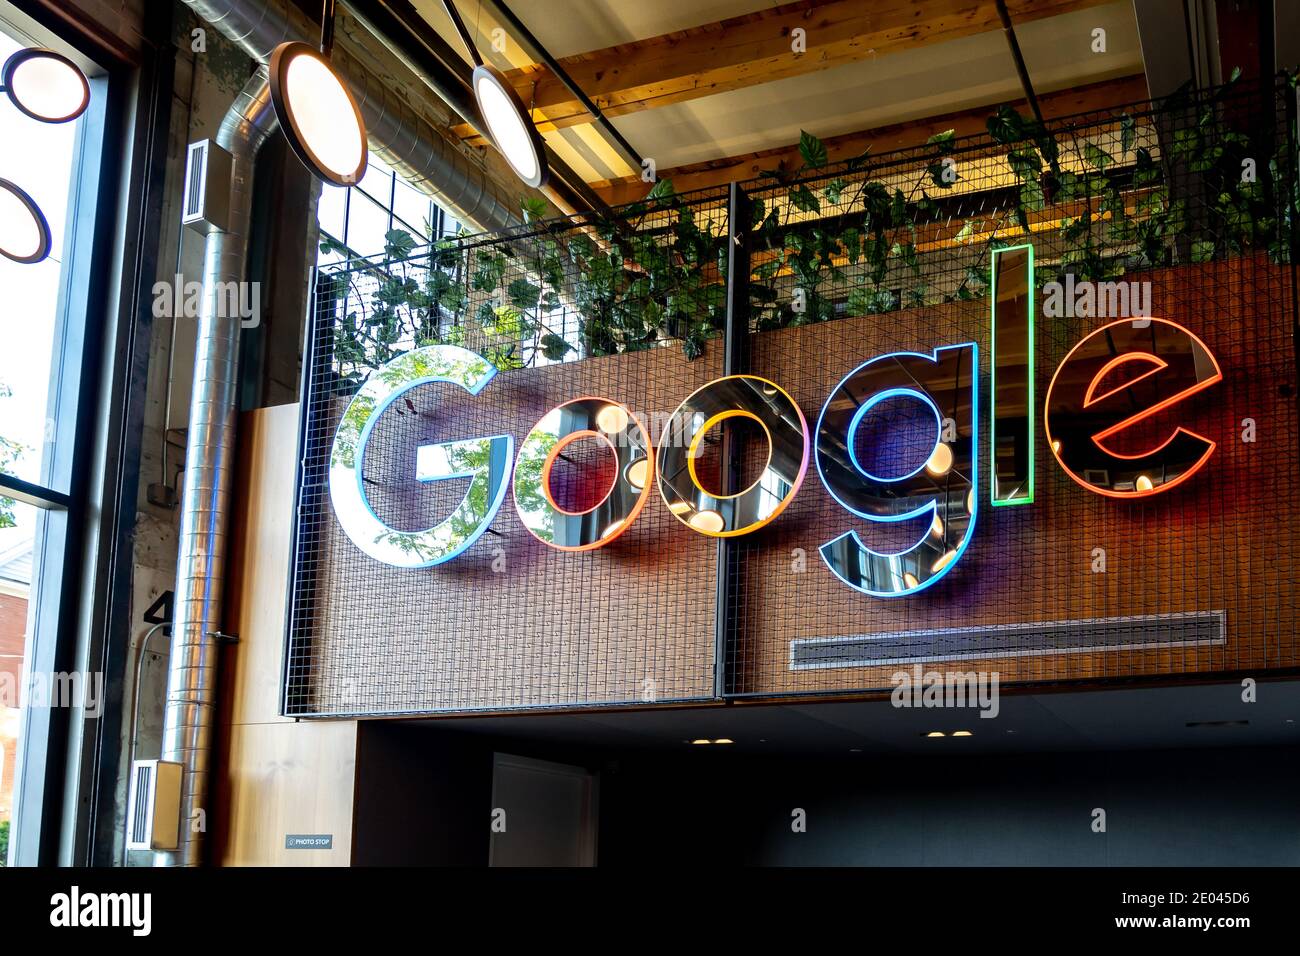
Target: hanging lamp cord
x: 327, y: 28
x: 464, y: 34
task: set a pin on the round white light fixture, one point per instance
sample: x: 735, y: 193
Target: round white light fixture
x: 508, y: 125
x: 945, y: 559
x: 319, y: 117
x: 24, y: 233
x: 45, y: 85
x: 707, y: 521
x: 637, y: 472
x: 940, y: 460
x: 611, y: 419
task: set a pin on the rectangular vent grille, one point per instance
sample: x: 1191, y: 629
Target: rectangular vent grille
x: 194, y: 190
x: 140, y: 820
x: 1019, y: 640
x: 207, y: 187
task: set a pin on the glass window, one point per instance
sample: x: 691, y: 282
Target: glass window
x: 332, y: 214
x: 41, y: 390
x: 42, y: 168
x: 18, y: 528
x: 377, y: 183
x: 368, y: 225
x: 413, y: 211
x: 358, y: 220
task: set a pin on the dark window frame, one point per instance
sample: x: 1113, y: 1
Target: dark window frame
x: 87, y: 495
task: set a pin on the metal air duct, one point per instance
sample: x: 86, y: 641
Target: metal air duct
x: 400, y: 138
x: 189, y: 714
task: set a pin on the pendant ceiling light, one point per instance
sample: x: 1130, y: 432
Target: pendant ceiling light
x: 49, y: 87
x: 24, y: 233
x: 316, y: 110
x: 505, y: 118
x: 45, y: 85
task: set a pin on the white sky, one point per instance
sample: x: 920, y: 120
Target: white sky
x: 38, y: 158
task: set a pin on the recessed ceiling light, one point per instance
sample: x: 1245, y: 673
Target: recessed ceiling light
x: 701, y: 741
x: 724, y: 740
x: 935, y: 733
x: 24, y: 233
x: 962, y: 733
x: 45, y: 85
x: 319, y: 117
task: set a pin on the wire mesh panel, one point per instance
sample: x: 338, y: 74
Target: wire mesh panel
x: 1171, y: 219
x: 1177, y: 210
x: 617, y: 309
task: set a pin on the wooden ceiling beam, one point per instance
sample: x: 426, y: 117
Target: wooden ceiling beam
x: 756, y: 48
x: 1083, y: 99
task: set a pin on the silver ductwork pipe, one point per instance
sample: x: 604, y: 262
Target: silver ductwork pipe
x: 189, y: 716
x: 417, y: 152
x: 420, y: 154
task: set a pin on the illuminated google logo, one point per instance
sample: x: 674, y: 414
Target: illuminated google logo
x: 1118, y: 376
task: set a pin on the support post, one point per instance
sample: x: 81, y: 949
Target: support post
x: 735, y: 361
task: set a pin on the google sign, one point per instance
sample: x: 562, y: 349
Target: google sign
x: 1114, y: 379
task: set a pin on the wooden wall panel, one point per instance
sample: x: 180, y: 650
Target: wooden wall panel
x: 1224, y: 540
x: 511, y: 622
x: 288, y: 778
x: 273, y: 775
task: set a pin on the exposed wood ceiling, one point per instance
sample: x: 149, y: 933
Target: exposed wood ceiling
x: 756, y: 48
x: 881, y: 139
x: 712, y: 90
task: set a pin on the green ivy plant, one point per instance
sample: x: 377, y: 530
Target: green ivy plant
x: 860, y: 255
x: 825, y: 240
x: 634, y: 278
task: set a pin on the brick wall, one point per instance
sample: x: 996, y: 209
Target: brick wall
x: 13, y: 629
